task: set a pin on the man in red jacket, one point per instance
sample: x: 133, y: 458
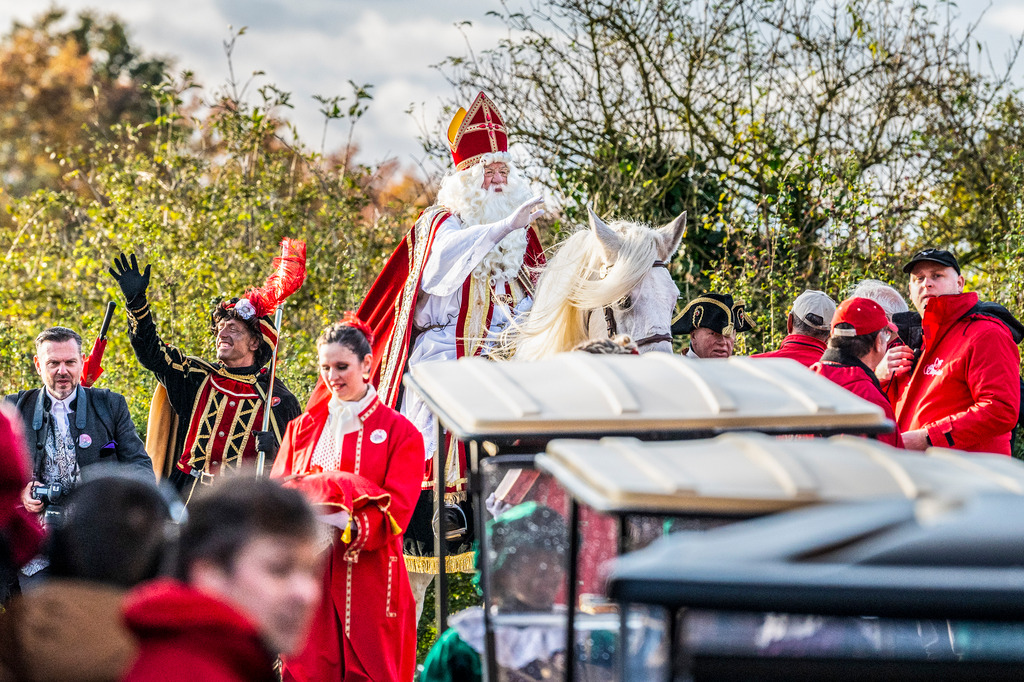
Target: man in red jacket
x: 861, y: 332
x: 964, y: 391
x: 251, y: 581
x: 807, y: 328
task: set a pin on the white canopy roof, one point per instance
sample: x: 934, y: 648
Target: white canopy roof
x: 753, y: 473
x: 581, y: 394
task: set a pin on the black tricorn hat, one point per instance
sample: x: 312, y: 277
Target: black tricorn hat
x: 716, y: 312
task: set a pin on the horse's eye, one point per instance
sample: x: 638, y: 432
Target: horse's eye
x: 626, y: 303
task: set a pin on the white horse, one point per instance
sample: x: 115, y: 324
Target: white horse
x: 610, y: 279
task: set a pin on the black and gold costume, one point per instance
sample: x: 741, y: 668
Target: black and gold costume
x: 218, y: 408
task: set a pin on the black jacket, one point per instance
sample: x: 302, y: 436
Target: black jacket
x: 201, y: 394
x: 100, y: 424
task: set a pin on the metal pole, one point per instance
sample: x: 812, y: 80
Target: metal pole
x: 571, y: 595
x: 440, y: 541
x: 268, y: 404
x: 676, y: 647
x: 476, y: 487
x: 622, y: 525
x: 622, y: 650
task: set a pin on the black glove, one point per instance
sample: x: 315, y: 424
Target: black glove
x: 266, y: 443
x: 133, y: 283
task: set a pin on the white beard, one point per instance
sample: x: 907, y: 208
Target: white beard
x: 476, y: 206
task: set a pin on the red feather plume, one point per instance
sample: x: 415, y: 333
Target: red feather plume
x: 288, y: 275
x: 349, y: 319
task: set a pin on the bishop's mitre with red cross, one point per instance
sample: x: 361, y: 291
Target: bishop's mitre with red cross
x: 476, y: 132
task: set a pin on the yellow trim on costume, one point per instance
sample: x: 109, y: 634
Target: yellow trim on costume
x: 454, y: 563
x: 698, y: 314
x: 456, y: 497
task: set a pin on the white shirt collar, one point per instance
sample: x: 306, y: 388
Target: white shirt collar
x: 353, y: 407
x: 343, y: 415
x: 62, y: 405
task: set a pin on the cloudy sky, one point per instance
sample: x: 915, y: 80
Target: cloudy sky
x: 312, y: 47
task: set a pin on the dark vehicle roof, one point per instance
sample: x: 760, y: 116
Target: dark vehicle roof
x: 931, y: 558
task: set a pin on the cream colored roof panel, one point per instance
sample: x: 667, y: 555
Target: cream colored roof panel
x: 614, y: 394
x: 747, y: 473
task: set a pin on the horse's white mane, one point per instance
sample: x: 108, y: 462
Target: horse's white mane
x: 578, y: 279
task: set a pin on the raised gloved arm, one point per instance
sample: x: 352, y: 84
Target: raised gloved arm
x: 131, y: 279
x: 527, y: 212
x: 457, y: 250
x: 170, y: 365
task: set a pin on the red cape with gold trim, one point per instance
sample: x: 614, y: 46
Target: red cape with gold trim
x: 390, y: 304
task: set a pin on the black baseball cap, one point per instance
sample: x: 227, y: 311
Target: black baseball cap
x: 934, y: 255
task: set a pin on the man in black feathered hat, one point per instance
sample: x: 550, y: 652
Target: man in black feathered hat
x: 712, y: 321
x: 218, y: 405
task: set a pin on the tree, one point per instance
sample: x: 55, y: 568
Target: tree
x: 60, y: 86
x: 205, y: 199
x: 805, y: 138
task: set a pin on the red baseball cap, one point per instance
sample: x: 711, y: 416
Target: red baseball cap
x: 866, y: 316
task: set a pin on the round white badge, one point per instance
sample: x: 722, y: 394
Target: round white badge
x: 378, y: 436
x: 85, y: 440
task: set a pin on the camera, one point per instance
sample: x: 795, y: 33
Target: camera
x: 48, y: 494
x: 908, y: 326
x: 455, y: 524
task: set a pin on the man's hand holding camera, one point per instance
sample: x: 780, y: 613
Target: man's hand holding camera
x: 36, y: 496
x: 898, y: 360
x: 31, y: 503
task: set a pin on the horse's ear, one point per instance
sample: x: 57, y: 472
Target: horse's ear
x: 609, y: 239
x: 670, y: 236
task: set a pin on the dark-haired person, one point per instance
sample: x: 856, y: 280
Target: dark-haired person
x: 248, y: 582
x: 219, y: 404
x: 70, y: 427
x: 112, y: 538
x: 861, y: 332
x: 363, y: 461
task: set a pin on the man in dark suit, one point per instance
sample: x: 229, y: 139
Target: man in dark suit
x: 69, y: 427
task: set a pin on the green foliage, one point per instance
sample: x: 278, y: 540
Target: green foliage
x: 462, y: 594
x: 742, y: 111
x: 59, y: 86
x: 767, y: 261
x: 1005, y: 283
x: 206, y: 200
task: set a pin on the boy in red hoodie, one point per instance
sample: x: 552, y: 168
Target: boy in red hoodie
x: 249, y: 582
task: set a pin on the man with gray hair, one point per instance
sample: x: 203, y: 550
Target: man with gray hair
x: 888, y: 297
x: 807, y: 328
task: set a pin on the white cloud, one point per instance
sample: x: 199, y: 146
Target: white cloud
x: 311, y: 47
x: 1008, y: 18
x: 395, y: 55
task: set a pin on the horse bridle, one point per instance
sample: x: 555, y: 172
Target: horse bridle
x: 609, y: 319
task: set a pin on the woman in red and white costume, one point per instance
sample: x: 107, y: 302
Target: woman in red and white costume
x: 365, y: 627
